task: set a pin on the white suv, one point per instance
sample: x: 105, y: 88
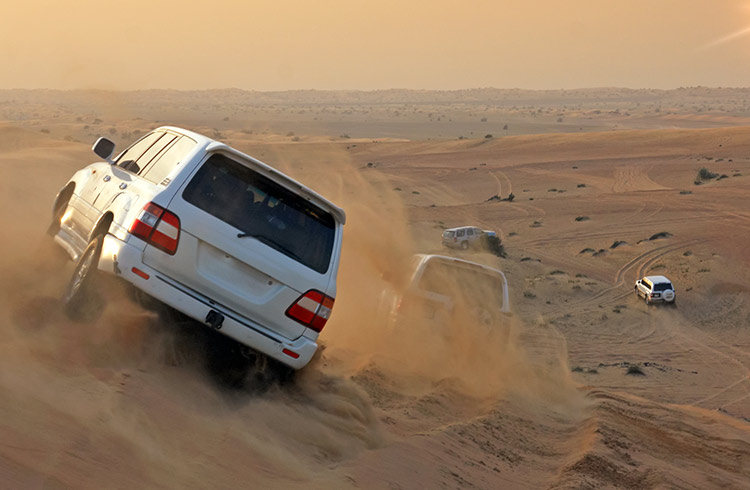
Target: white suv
x: 465, y: 237
x: 446, y: 291
x: 655, y: 289
x: 209, y: 231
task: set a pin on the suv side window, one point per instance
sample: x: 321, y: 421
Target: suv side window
x: 460, y: 233
x: 168, y: 160
x: 144, y: 160
x: 470, y: 232
x: 127, y: 159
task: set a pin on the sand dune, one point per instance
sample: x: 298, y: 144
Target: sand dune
x: 127, y: 401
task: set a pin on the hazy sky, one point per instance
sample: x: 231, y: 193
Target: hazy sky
x: 354, y: 44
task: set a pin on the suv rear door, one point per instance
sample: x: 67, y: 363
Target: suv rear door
x: 248, y: 243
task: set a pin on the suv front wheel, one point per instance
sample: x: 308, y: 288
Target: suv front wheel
x: 81, y: 299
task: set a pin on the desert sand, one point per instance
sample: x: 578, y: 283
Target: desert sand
x: 604, y: 191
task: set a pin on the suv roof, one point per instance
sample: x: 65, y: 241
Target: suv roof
x: 460, y: 227
x: 217, y: 146
x: 658, y: 280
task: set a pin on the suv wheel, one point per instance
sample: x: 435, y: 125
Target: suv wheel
x: 80, y: 299
x: 464, y: 245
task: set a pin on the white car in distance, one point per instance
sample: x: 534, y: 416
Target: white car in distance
x: 655, y: 289
x: 209, y: 231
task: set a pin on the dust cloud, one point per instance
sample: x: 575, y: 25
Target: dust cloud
x: 123, y: 399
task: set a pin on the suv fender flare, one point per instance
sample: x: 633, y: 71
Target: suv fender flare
x: 102, y: 226
x: 63, y: 197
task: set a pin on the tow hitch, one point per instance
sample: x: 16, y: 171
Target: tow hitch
x: 215, y: 319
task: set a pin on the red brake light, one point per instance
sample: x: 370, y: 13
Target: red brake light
x: 312, y: 310
x: 158, y: 227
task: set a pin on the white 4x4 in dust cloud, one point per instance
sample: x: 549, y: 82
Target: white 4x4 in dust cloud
x: 209, y: 231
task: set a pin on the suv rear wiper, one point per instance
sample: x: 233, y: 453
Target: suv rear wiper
x: 272, y: 244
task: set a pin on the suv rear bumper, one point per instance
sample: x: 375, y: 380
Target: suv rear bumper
x: 120, y: 258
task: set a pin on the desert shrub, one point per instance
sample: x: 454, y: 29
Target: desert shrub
x: 581, y: 185
x: 529, y: 294
x: 634, y: 370
x: 488, y: 136
x: 577, y: 369
x: 582, y: 218
x: 495, y: 246
x: 397, y: 189
x: 661, y: 234
x: 586, y: 250
x: 705, y: 174
x: 510, y: 197
x: 686, y: 192
x: 415, y: 192
x: 552, y: 190
x: 556, y: 272
x: 617, y: 243
x: 723, y: 176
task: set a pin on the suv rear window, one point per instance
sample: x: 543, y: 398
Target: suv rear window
x: 662, y: 286
x: 449, y: 234
x: 262, y: 209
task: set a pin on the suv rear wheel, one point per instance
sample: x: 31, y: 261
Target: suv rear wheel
x: 81, y: 300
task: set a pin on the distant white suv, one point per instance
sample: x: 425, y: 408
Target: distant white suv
x: 465, y: 237
x: 209, y: 231
x: 655, y: 289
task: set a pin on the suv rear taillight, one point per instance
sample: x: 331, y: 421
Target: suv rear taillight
x: 312, y: 310
x: 158, y: 227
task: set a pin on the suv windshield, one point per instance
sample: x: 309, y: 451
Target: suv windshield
x: 662, y: 286
x: 264, y: 210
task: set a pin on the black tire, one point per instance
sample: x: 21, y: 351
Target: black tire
x: 81, y: 299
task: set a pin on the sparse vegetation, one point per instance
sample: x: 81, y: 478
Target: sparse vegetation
x: 686, y: 192
x: 634, y: 370
x: 582, y: 218
x: 661, y: 234
x: 587, y: 250
x: 529, y: 294
x: 556, y: 272
x: 617, y: 243
x: 581, y: 185
x: 488, y: 136
x: 705, y: 174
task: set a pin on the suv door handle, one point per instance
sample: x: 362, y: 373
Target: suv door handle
x: 123, y: 185
x: 107, y: 178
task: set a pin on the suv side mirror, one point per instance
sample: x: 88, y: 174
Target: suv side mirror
x: 104, y: 149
